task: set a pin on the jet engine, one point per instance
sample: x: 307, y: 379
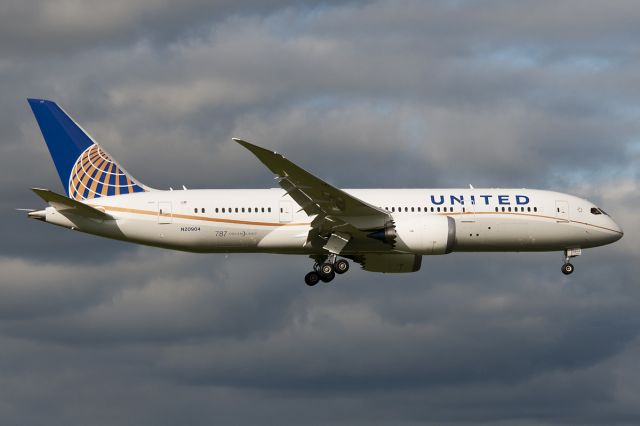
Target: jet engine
x: 428, y: 234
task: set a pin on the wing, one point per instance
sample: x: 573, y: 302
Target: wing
x: 64, y: 204
x: 339, y: 215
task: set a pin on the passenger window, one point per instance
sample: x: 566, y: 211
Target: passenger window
x: 269, y: 209
x: 496, y: 209
x: 419, y: 210
x: 243, y: 210
x: 438, y: 209
x: 503, y: 209
x: 236, y: 210
x: 249, y: 209
x: 262, y: 209
x: 528, y: 209
x: 412, y: 210
x: 535, y: 209
x: 202, y: 210
x: 216, y: 210
x: 196, y: 210
x: 223, y: 210
x: 431, y: 209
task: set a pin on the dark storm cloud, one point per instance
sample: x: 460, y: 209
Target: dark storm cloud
x: 34, y: 27
x: 383, y: 93
x: 416, y: 355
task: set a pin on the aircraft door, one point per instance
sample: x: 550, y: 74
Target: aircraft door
x: 562, y: 210
x: 165, y: 215
x: 286, y: 211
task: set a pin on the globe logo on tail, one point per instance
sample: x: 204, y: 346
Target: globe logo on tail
x: 96, y: 175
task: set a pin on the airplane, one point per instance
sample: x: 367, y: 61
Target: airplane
x: 383, y: 230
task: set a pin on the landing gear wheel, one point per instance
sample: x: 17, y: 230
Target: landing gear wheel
x: 328, y: 277
x: 341, y: 266
x: 567, y: 268
x: 311, y: 278
x: 326, y: 269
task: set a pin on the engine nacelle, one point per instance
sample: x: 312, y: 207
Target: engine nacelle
x: 429, y: 234
x: 391, y: 262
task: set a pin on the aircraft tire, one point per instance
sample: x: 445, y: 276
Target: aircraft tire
x: 326, y: 269
x: 325, y: 278
x: 312, y: 278
x: 341, y: 266
x: 567, y: 268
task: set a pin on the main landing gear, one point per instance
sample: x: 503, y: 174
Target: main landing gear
x: 325, y: 269
x: 567, y: 267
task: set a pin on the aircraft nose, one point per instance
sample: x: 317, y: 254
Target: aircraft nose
x: 616, y: 230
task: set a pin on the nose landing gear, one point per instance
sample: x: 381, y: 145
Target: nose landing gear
x: 325, y: 269
x: 567, y: 267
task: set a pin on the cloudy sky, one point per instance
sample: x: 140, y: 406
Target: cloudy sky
x: 393, y: 93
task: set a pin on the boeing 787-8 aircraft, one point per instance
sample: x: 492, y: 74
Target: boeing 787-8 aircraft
x: 384, y: 230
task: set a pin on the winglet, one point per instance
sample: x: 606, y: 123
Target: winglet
x: 255, y: 149
x: 273, y: 160
x: 66, y: 204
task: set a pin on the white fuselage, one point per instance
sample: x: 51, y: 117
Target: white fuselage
x: 268, y: 220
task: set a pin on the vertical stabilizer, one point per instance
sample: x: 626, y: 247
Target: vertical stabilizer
x: 85, y: 169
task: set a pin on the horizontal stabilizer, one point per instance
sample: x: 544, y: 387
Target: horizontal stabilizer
x: 66, y: 204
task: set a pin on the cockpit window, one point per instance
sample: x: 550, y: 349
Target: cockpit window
x: 594, y: 210
x: 603, y: 212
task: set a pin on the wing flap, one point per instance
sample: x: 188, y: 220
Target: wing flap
x: 313, y: 194
x: 65, y: 204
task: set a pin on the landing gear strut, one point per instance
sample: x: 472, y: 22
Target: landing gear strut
x: 325, y: 269
x: 567, y: 267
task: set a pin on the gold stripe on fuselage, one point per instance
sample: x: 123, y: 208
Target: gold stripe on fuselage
x: 191, y: 217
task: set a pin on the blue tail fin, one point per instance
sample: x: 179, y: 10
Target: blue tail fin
x: 85, y: 169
